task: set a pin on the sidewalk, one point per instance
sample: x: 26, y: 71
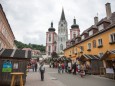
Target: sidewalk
x: 33, y: 79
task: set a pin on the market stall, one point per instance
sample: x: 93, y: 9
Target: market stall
x: 92, y: 63
x: 13, y: 60
x: 109, y: 63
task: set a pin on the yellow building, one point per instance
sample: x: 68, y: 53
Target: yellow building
x: 96, y: 40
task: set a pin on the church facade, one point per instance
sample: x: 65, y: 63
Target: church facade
x: 58, y: 42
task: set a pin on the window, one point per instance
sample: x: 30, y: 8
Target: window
x: 83, y: 37
x: 112, y: 38
x: 49, y: 48
x: 100, y: 43
x: 55, y: 48
x: 100, y: 55
x: 61, y: 39
x: 70, y: 52
x: 81, y: 49
x: 90, y: 32
x: 74, y: 35
x: 61, y: 24
x: 49, y: 37
x: 61, y: 47
x: 100, y: 27
x: 73, y: 51
x: 94, y: 43
x: 89, y: 46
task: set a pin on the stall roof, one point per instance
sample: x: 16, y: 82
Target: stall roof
x: 108, y: 53
x: 15, y: 53
x: 89, y: 57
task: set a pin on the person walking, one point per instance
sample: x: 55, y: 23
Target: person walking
x: 74, y: 68
x: 42, y: 71
x: 33, y: 66
x: 59, y: 68
x: 36, y: 66
x: 62, y: 67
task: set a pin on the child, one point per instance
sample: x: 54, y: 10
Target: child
x: 82, y: 73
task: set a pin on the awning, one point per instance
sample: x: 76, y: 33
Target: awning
x: 14, y: 53
x: 110, y: 53
x: 86, y: 57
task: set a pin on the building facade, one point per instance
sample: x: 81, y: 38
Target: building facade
x: 6, y: 34
x: 96, y: 40
x: 51, y: 41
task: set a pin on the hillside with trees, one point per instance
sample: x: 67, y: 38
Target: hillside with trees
x: 21, y: 45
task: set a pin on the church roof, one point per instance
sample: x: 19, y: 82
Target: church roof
x: 74, y: 24
x: 62, y: 15
x: 51, y: 28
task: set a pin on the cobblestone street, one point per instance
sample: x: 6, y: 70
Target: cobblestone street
x: 52, y: 78
x: 33, y: 79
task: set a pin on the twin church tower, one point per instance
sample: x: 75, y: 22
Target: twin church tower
x: 57, y: 42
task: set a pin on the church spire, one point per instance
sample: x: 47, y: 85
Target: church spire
x: 62, y: 15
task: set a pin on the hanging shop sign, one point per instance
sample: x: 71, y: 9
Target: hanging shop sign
x: 7, y: 66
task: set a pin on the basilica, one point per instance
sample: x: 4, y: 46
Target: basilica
x: 58, y: 42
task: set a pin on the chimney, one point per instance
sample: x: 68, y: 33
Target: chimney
x: 108, y: 10
x: 95, y: 20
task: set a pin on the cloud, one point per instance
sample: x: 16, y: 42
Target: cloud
x: 30, y: 19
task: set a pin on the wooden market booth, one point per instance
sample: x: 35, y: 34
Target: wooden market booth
x: 13, y: 60
x: 108, y: 61
x: 92, y: 63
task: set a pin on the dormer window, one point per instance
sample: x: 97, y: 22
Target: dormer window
x: 82, y: 37
x: 100, y: 27
x: 90, y: 32
x: 76, y: 40
x: 100, y: 54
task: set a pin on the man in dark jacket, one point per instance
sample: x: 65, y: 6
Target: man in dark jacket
x: 42, y: 71
x: 74, y: 68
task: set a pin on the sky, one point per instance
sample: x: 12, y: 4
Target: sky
x: 30, y: 19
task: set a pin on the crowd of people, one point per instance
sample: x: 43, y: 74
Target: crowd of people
x: 70, y: 68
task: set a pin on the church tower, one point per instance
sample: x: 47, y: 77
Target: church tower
x: 51, y: 38
x: 74, y: 31
x: 62, y: 33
